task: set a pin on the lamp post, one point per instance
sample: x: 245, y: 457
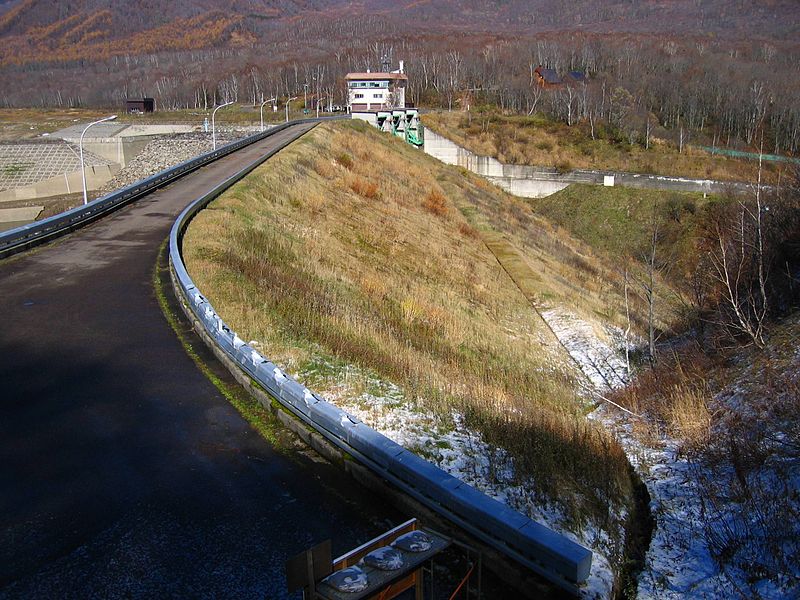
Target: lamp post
x: 262, y: 112
x: 80, y: 147
x: 213, y: 125
x: 287, y: 106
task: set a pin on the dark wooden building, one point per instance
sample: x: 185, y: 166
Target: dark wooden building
x: 547, y: 77
x: 145, y: 105
x: 575, y: 77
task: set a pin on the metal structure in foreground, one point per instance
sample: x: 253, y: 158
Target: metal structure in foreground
x: 310, y: 570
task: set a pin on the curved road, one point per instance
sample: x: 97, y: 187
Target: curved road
x: 123, y: 471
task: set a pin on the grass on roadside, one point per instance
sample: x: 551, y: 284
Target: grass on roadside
x: 259, y: 417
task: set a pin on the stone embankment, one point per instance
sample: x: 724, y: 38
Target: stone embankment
x: 165, y: 152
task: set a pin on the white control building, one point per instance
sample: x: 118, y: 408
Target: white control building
x: 380, y: 99
x: 372, y: 92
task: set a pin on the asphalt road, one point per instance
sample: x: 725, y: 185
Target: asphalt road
x: 123, y: 471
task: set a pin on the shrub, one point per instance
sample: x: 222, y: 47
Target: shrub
x: 345, y: 160
x: 435, y: 203
x: 324, y: 168
x: 365, y: 188
x: 689, y: 416
x: 564, y: 166
x: 467, y: 231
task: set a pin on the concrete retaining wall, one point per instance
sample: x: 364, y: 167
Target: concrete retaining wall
x: 528, y: 188
x: 536, y: 182
x: 120, y: 150
x: 68, y: 183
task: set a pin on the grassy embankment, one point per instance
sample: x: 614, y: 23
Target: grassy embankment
x: 352, y: 248
x: 536, y: 140
x: 678, y: 394
x: 731, y: 408
x: 618, y: 223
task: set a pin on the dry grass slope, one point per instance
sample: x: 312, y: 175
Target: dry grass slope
x: 536, y: 140
x: 351, y: 247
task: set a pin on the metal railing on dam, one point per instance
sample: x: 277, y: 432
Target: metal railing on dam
x: 39, y: 232
x: 551, y: 555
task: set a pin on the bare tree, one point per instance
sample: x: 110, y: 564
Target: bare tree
x: 738, y: 263
x: 654, y: 267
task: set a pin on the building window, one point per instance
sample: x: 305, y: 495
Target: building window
x: 368, y: 84
x: 378, y: 96
x: 359, y: 96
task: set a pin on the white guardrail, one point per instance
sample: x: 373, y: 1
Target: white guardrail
x: 551, y: 555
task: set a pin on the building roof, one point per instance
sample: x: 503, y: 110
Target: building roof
x: 381, y: 76
x: 548, y: 75
x: 578, y: 76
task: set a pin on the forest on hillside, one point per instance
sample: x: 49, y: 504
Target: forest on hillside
x: 720, y: 92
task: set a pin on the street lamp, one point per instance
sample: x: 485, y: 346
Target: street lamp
x: 80, y: 147
x: 287, y: 106
x: 213, y: 128
x: 262, y: 111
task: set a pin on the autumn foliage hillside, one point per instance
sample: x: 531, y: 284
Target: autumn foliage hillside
x: 95, y: 34
x: 35, y: 31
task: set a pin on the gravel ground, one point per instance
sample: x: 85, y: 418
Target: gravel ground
x: 168, y: 151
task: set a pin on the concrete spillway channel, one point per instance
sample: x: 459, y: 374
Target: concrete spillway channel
x: 123, y: 470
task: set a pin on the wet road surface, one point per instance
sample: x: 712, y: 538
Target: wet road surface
x: 123, y: 471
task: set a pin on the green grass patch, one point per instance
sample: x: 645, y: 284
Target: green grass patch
x: 16, y: 169
x: 259, y: 417
x: 619, y: 222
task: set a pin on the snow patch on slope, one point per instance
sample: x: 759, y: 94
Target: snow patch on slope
x: 680, y: 562
x: 601, y: 362
x: 462, y: 452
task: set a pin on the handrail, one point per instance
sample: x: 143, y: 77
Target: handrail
x: 552, y: 555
